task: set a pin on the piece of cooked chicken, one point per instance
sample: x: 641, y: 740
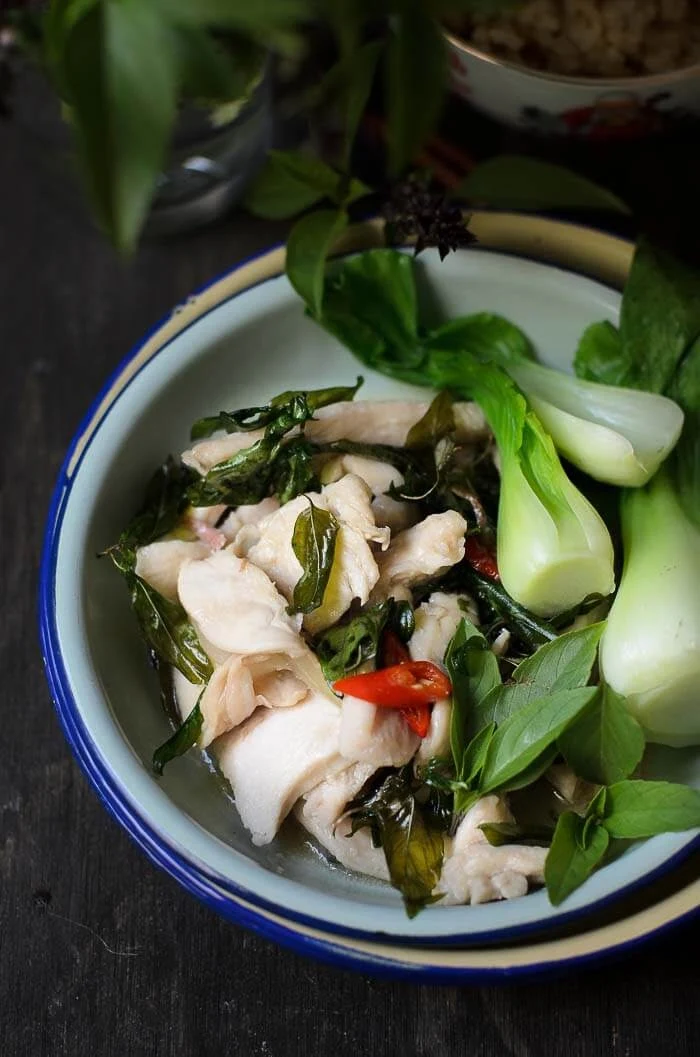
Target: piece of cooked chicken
x: 236, y: 609
x: 159, y: 563
x: 475, y: 872
x: 240, y: 685
x: 428, y: 549
x: 379, y: 736
x: 354, y: 571
x: 276, y: 756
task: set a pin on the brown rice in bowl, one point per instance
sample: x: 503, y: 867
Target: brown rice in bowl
x: 592, y: 38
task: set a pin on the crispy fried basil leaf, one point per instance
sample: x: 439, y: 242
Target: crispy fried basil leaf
x: 293, y: 471
x: 252, y: 473
x: 571, y: 857
x: 183, y: 739
x: 166, y: 628
x: 344, y: 647
x: 250, y: 418
x: 409, y: 833
x: 313, y: 543
x: 437, y: 422
x: 164, y: 500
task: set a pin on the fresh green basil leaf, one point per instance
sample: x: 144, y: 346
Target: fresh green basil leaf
x: 605, y: 743
x: 166, y: 628
x: 512, y: 181
x: 568, y: 862
x: 273, y: 23
x: 563, y: 664
x: 361, y: 68
x: 636, y: 809
x: 525, y: 735
x: 500, y: 833
x: 343, y: 648
x: 291, y: 182
x: 599, y: 356
x: 412, y: 841
x: 473, y: 670
x: 416, y: 72
x: 313, y: 543
x: 211, y: 71
x: 184, y: 738
x: 475, y: 754
x: 122, y: 120
x: 309, y: 243
x: 491, y: 338
x: 532, y: 773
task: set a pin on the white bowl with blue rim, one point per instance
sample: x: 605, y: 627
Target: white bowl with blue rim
x: 238, y: 342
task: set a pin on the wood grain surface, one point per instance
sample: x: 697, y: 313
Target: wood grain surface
x: 100, y: 953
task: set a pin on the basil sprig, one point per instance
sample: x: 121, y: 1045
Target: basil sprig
x: 631, y: 809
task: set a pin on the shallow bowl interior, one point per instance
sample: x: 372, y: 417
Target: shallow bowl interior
x: 239, y: 352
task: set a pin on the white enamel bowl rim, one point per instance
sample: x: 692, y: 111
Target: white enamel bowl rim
x: 529, y: 236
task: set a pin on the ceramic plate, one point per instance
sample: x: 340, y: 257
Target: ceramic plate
x: 237, y: 343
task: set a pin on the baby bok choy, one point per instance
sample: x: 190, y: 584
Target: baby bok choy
x: 650, y: 651
x: 617, y: 435
x: 553, y: 547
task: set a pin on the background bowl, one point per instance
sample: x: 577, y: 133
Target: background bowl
x: 237, y: 343
x: 600, y: 110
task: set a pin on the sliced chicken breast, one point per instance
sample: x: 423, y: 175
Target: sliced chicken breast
x: 355, y: 852
x: 275, y: 757
x: 159, y: 563
x: 476, y: 872
x: 378, y: 736
x: 428, y: 549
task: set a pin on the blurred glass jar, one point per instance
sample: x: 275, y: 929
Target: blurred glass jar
x: 215, y: 150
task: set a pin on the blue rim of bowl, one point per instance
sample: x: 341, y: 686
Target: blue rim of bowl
x: 202, y: 883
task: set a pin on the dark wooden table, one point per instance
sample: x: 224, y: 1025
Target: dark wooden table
x: 100, y: 954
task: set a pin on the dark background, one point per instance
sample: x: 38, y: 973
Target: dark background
x: 101, y: 954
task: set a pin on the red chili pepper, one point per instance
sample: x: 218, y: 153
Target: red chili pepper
x: 400, y: 686
x: 481, y: 558
x: 418, y: 719
x: 392, y: 650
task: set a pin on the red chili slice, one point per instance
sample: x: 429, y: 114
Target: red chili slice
x: 418, y: 719
x: 392, y: 650
x: 481, y: 558
x: 403, y: 685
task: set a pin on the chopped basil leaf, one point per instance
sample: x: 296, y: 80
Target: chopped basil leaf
x: 183, y: 739
x: 313, y: 543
